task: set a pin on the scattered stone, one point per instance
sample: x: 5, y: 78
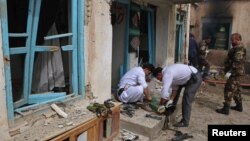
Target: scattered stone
x: 69, y: 123
x: 59, y: 111
x: 49, y: 114
x: 60, y: 126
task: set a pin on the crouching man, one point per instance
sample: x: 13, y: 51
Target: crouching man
x: 133, y: 85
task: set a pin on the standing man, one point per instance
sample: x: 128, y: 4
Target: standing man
x: 175, y: 77
x: 202, y: 61
x: 234, y: 64
x: 133, y: 85
x: 193, y: 51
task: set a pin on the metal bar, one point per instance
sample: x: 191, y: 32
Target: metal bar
x: 34, y: 106
x: 224, y: 82
x: 67, y: 48
x: 38, y: 98
x: 5, y: 42
x: 18, y: 50
x: 46, y: 48
x: 18, y: 35
x: 57, y: 36
x: 74, y: 45
x: 33, y: 41
x: 26, y: 91
x: 50, y: 48
x: 81, y: 53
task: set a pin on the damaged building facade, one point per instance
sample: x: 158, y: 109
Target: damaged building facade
x: 72, y: 50
x: 219, y: 19
x: 76, y: 50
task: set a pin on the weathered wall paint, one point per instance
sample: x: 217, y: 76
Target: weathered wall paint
x: 165, y: 35
x: 99, y: 50
x: 241, y: 20
x: 239, y: 11
x: 4, y: 128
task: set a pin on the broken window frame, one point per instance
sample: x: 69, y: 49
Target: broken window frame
x: 217, y: 21
x: 77, y: 37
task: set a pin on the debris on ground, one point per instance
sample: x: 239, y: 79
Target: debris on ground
x: 156, y: 117
x: 128, y: 109
x: 181, y: 137
x: 128, y: 135
x: 101, y: 110
x: 59, y: 111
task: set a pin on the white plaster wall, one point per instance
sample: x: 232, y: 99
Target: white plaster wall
x: 4, y: 132
x: 241, y: 20
x: 165, y: 35
x: 99, y: 50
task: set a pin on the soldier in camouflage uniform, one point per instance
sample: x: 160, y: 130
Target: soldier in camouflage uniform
x: 202, y: 57
x: 235, y: 64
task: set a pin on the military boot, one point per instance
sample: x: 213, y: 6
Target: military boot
x: 224, y: 110
x: 238, y: 107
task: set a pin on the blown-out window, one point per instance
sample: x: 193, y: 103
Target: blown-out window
x: 219, y: 30
x: 42, y: 50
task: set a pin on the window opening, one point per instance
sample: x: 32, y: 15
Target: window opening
x: 43, y: 51
x: 218, y: 30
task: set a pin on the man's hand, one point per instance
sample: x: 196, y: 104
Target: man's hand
x: 149, y: 98
x: 227, y: 75
x: 170, y: 102
x: 162, y: 101
x: 161, y: 109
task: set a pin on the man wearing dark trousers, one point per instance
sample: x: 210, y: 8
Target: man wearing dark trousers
x: 175, y: 77
x: 234, y: 65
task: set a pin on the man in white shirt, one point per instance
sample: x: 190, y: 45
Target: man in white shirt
x: 133, y: 85
x: 174, y: 78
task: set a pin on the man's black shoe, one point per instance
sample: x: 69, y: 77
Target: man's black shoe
x: 180, y: 124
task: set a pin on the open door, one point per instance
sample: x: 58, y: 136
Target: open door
x: 142, y: 33
x: 133, y: 33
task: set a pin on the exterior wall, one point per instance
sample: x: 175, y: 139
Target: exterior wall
x: 238, y: 10
x: 241, y: 20
x: 4, y: 129
x: 99, y: 50
x: 118, y: 50
x: 165, y: 35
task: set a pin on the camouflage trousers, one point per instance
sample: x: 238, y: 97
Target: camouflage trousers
x: 203, y: 63
x: 232, y: 90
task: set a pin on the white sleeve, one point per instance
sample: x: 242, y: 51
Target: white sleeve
x: 167, y: 82
x: 142, y: 80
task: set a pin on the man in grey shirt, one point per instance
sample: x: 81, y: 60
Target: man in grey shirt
x: 174, y: 78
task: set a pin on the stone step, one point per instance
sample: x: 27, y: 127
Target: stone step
x: 142, y: 125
